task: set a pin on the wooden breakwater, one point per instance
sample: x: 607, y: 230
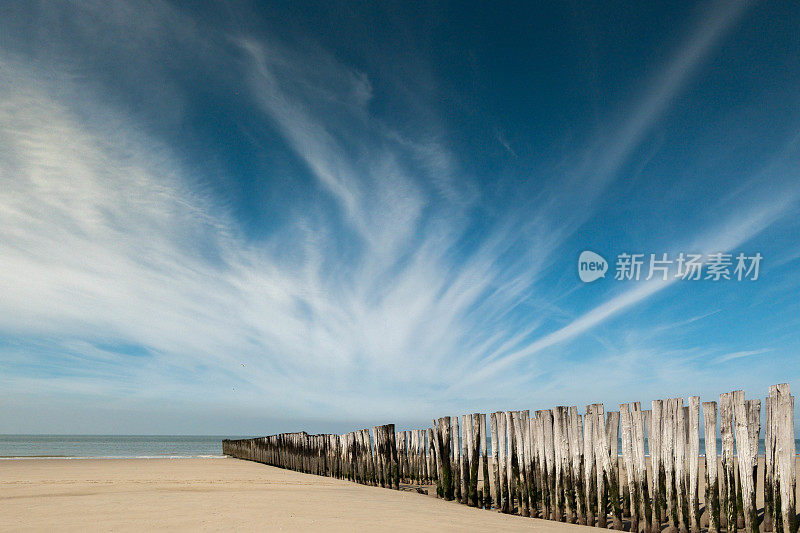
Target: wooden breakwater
x: 563, y: 465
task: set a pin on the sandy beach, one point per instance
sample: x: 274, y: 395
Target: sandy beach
x: 220, y: 494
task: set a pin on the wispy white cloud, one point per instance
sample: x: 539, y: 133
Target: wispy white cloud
x: 108, y: 242
x: 738, y: 355
x: 503, y: 140
x: 732, y: 232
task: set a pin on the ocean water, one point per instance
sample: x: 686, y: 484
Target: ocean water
x: 110, y: 446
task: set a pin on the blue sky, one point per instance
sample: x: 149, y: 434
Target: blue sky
x: 243, y: 219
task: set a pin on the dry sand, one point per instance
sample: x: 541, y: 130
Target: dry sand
x: 220, y: 494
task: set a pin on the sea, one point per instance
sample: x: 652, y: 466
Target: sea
x: 110, y: 446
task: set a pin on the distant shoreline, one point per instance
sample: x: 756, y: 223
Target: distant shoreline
x: 110, y: 457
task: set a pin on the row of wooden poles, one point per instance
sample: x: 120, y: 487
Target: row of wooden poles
x: 565, y: 466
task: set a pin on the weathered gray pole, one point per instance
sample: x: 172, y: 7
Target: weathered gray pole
x: 487, y: 489
x: 380, y: 472
x: 769, y: 464
x: 640, y: 464
x: 497, y: 493
x: 558, y: 438
x: 680, y: 466
x: 783, y: 426
x: 455, y: 457
x: 712, y: 475
x: 655, y: 430
x: 693, y: 452
x: 601, y: 455
x: 612, y: 476
x: 443, y: 460
x: 626, y: 431
x: 434, y: 469
x: 395, y: 471
x: 575, y: 437
x: 754, y: 430
x: 536, y: 476
x: 463, y: 463
x: 668, y: 454
x: 745, y: 458
x: 510, y: 459
x: 728, y: 487
x: 530, y: 481
x: 589, y: 465
x: 566, y: 468
x: 541, y: 465
x: 612, y: 439
x: 521, y: 479
x: 550, y: 464
x: 474, y: 458
x: 502, y: 466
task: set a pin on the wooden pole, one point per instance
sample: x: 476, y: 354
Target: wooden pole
x: 655, y: 430
x: 558, y: 438
x: 521, y: 478
x: 474, y: 458
x: 612, y: 439
x: 783, y: 426
x: 608, y: 488
x: 423, y: 450
x: 502, y: 466
x: 525, y: 463
x: 510, y: 459
x: 413, y: 457
x: 550, y: 464
x: 536, y: 478
x: 443, y: 458
x: 601, y: 455
x: 541, y: 461
x: 712, y: 475
x: 395, y: 466
x: 379, y: 456
x: 745, y: 459
x: 613, y: 475
x: 640, y: 464
x: 364, y: 456
x: 728, y: 487
x: 463, y: 463
x: 668, y: 444
x: 422, y: 458
x: 769, y: 465
x: 626, y: 431
x: 408, y: 456
x: 497, y: 493
x: 400, y: 439
x: 681, y: 490
x: 575, y: 437
x: 565, y: 455
x: 434, y: 472
x: 455, y: 458
x: 754, y: 431
x: 693, y: 452
x: 589, y: 466
x: 487, y: 490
